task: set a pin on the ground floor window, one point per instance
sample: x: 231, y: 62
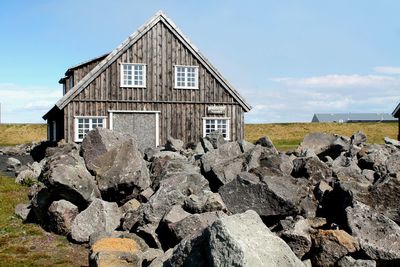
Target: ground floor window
x: 85, y: 124
x: 220, y: 125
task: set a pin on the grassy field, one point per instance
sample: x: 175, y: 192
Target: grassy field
x: 28, y: 244
x: 284, y: 135
x: 14, y: 134
x: 289, y: 135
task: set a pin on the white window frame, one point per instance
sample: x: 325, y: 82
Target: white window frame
x: 196, y: 72
x: 76, y: 122
x: 228, y: 125
x: 144, y: 76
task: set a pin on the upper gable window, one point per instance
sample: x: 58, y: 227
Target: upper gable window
x: 133, y: 75
x: 186, y: 77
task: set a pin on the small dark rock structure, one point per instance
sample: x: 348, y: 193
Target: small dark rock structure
x: 331, y: 202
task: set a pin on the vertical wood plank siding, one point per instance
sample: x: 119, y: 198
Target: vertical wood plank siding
x: 181, y: 110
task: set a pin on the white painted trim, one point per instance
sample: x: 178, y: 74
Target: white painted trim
x: 196, y: 87
x: 54, y: 125
x: 91, y: 117
x: 134, y: 111
x: 76, y: 138
x: 121, y: 75
x: 228, y: 125
x: 155, y: 112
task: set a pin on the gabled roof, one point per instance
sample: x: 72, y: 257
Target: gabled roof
x: 349, y: 117
x: 396, y: 111
x: 159, y: 16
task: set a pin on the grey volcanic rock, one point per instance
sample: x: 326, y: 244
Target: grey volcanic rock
x: 359, y: 138
x: 173, y: 144
x: 61, y: 215
x: 65, y: 175
x: 324, y: 144
x: 311, y: 168
x: 238, y: 240
x: 115, y: 160
x: 297, y: 233
x: 392, y: 142
x: 266, y: 142
x: 331, y: 245
x: 348, y: 261
x: 271, y: 196
x: 100, y: 216
x: 13, y: 164
x: 23, y: 211
x: 205, y: 202
x: 30, y: 174
x: 379, y: 237
x: 173, y: 191
x: 216, y: 139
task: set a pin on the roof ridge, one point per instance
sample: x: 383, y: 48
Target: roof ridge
x: 113, y: 55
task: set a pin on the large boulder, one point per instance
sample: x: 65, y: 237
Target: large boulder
x: 223, y: 164
x: 238, y: 240
x: 272, y: 197
x: 173, y: 190
x: 311, y: 168
x: 61, y: 214
x: 66, y: 176
x: 13, y: 164
x: 216, y: 139
x: 379, y: 237
x: 114, y: 158
x: 331, y: 245
x: 297, y: 233
x: 265, y: 141
x: 30, y: 174
x: 173, y: 144
x: 100, y: 216
x: 323, y: 144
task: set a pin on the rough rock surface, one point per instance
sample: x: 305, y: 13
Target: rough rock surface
x: 272, y: 197
x: 348, y: 261
x: 98, y: 217
x: 237, y: 240
x: 114, y: 158
x: 331, y: 245
x: 65, y: 175
x: 61, y: 214
x: 379, y: 237
x: 324, y: 144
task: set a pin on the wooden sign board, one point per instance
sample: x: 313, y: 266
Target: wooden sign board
x: 216, y: 110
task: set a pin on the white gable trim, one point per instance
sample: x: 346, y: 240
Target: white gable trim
x: 159, y: 16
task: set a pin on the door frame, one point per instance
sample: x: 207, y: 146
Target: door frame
x: 156, y: 112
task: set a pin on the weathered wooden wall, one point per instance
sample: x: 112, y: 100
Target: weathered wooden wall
x: 80, y: 72
x: 182, y: 110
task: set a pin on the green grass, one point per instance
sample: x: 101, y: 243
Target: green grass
x: 287, y: 136
x: 28, y: 244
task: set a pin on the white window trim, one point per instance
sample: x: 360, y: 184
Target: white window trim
x: 156, y: 112
x: 228, y: 125
x: 196, y: 76
x: 76, y: 136
x: 132, y: 85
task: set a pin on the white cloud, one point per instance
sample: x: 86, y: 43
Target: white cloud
x: 290, y: 99
x: 26, y: 103
x: 340, y: 81
x: 387, y: 70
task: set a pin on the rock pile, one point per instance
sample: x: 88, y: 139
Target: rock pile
x: 331, y: 202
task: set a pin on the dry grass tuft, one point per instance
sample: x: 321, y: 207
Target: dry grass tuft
x: 15, y: 134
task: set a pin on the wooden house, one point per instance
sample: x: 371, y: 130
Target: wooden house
x: 154, y: 85
x: 396, y: 114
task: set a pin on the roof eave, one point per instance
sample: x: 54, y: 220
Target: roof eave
x: 396, y: 112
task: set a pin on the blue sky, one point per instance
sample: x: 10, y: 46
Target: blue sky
x: 289, y: 59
